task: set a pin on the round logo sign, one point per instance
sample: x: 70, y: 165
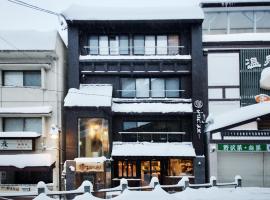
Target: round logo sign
x: 198, y: 104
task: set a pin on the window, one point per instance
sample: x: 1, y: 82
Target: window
x: 150, y: 45
x: 114, y: 45
x: 93, y: 45
x: 23, y: 124
x: 22, y: 78
x: 93, y: 137
x: 138, y: 45
x: 162, y: 45
x: 173, y: 44
x: 142, y: 87
x: 127, y: 168
x: 151, y: 87
x: 103, y: 45
x: 124, y: 45
x: 179, y: 167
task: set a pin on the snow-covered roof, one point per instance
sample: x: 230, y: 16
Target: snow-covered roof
x: 265, y: 79
x: 19, y: 40
x: 150, y: 57
x: 153, y: 149
x: 152, y: 107
x: 26, y: 160
x: 237, y: 116
x: 19, y: 134
x: 91, y: 160
x: 89, y: 95
x: 26, y: 110
x: 225, y: 2
x: 134, y: 10
x: 237, y: 37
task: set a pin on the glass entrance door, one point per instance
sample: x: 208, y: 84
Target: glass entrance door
x: 149, y: 169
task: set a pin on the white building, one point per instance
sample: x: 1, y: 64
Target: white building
x: 237, y: 41
x: 31, y: 96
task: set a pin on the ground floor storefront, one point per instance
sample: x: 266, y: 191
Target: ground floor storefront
x: 250, y: 161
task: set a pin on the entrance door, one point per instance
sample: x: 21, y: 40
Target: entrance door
x: 149, y: 169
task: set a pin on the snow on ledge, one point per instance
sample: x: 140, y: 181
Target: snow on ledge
x: 237, y: 116
x: 152, y: 107
x: 19, y: 134
x: 153, y: 149
x: 26, y: 160
x: 237, y: 37
x: 146, y: 57
x: 89, y: 95
x: 133, y: 10
x: 26, y: 110
x: 265, y: 79
x: 91, y: 160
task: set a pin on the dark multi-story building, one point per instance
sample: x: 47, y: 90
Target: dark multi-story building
x: 138, y: 92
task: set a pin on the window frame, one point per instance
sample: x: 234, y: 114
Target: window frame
x: 23, y: 78
x: 24, y: 119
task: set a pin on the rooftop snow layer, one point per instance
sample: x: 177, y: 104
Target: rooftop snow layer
x: 237, y: 37
x: 237, y: 116
x: 152, y: 107
x: 153, y: 149
x: 89, y: 95
x: 91, y: 160
x: 20, y: 40
x: 26, y: 160
x: 26, y: 110
x: 134, y: 10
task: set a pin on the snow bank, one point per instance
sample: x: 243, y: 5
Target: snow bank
x: 237, y: 37
x: 28, y: 40
x: 134, y: 10
x: 265, y: 78
x: 43, y: 196
x: 238, y: 115
x: 215, y: 193
x: 26, y: 110
x: 26, y: 160
x: 153, y: 149
x: 152, y: 107
x: 94, y: 95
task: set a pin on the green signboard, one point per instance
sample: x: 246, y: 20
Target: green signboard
x: 244, y: 147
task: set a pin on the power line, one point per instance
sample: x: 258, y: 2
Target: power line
x: 22, y: 3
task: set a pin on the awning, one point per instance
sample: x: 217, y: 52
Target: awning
x: 172, y: 149
x: 89, y: 95
x: 152, y: 107
x: 236, y: 116
x: 26, y: 160
x: 33, y: 110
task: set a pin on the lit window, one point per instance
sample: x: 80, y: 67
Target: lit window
x: 93, y: 137
x: 180, y: 167
x: 127, y: 168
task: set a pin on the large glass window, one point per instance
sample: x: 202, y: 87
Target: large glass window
x: 93, y: 137
x: 151, y: 87
x: 127, y: 168
x: 138, y: 45
x: 180, y: 167
x: 152, y: 126
x: 23, y: 124
x: 22, y: 78
x: 173, y: 44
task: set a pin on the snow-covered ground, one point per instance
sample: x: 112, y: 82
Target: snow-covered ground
x: 214, y: 193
